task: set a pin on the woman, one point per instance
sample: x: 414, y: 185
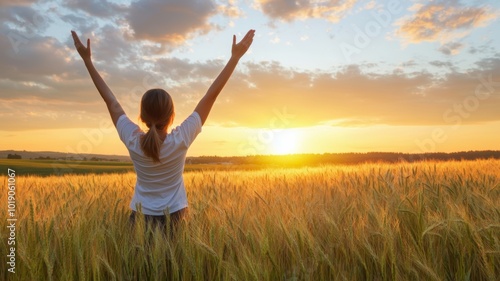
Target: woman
x: 158, y: 156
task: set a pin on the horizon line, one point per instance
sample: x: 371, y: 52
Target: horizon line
x: 254, y: 155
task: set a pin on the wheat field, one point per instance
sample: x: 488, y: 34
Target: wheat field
x: 405, y: 221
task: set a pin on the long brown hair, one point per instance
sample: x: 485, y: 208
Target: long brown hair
x: 157, y: 112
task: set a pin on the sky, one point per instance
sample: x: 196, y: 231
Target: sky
x: 320, y: 77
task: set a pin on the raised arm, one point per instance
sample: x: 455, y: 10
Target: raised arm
x: 114, y: 107
x: 238, y: 50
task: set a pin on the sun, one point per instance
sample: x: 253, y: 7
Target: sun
x: 285, y: 141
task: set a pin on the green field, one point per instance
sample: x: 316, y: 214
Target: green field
x: 60, y: 167
x: 405, y: 221
x: 63, y: 167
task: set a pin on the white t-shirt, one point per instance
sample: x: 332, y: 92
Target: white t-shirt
x: 159, y: 186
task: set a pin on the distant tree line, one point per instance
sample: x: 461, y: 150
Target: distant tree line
x: 312, y: 159
x: 73, y: 158
x: 17, y: 156
x: 343, y: 158
x: 14, y: 156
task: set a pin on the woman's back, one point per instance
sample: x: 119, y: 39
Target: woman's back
x: 159, y: 185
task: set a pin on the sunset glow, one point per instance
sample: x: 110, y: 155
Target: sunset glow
x: 285, y: 142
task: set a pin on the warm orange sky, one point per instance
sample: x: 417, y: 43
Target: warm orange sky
x: 345, y: 76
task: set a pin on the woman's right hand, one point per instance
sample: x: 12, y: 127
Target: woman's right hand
x: 238, y: 50
x: 84, y: 52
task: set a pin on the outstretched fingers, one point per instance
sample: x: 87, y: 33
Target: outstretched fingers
x: 247, y: 40
x: 248, y: 36
x: 83, y: 51
x: 75, y: 37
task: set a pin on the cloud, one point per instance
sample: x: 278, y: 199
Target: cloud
x: 446, y: 64
x: 443, y: 21
x: 410, y: 63
x: 110, y: 45
x: 353, y: 95
x: 26, y: 58
x: 231, y: 9
x: 451, y: 48
x: 82, y: 25
x: 182, y: 71
x: 170, y: 22
x: 259, y: 92
x: 45, y: 84
x: 97, y: 8
x: 26, y: 21
x: 332, y: 10
x: 17, y: 2
x: 483, y: 49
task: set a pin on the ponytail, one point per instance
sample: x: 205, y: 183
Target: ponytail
x: 157, y: 111
x: 151, y: 144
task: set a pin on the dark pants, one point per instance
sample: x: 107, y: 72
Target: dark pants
x: 161, y: 221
